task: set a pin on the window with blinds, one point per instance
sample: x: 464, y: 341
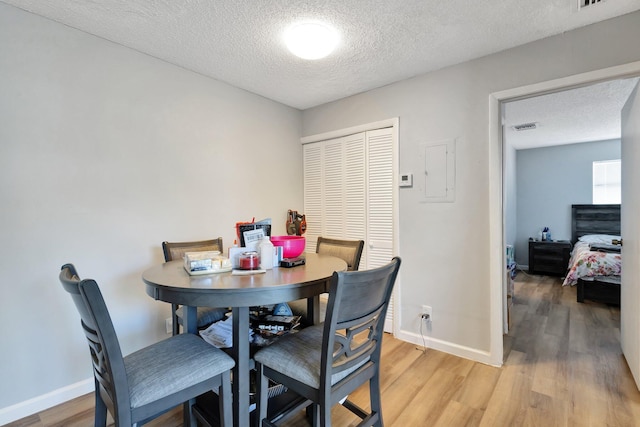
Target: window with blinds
x: 607, y: 182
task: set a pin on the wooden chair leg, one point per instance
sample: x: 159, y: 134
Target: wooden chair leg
x: 374, y: 394
x: 188, y: 416
x: 224, y: 399
x: 324, y: 410
x: 262, y: 386
x: 100, y: 419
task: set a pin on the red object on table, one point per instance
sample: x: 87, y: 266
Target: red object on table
x: 249, y: 261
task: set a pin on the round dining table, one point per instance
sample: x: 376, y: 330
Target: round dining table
x: 171, y: 283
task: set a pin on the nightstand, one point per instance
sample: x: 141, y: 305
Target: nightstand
x: 549, y: 257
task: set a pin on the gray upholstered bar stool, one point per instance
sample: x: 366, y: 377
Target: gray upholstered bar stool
x: 139, y: 387
x: 348, y: 250
x: 324, y: 363
x: 176, y: 250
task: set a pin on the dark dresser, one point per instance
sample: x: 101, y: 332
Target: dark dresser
x: 549, y: 257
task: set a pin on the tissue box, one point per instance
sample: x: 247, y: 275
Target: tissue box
x: 205, y: 261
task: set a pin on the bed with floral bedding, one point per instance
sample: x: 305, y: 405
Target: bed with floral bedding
x: 595, y: 265
x: 588, y: 263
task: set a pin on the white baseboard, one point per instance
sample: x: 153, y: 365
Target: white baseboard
x: 447, y: 347
x: 45, y: 401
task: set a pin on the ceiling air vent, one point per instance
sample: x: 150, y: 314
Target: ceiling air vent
x: 584, y: 3
x: 526, y: 126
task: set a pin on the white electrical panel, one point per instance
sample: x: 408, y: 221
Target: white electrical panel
x: 437, y: 182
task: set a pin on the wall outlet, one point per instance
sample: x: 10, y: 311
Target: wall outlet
x: 169, y: 325
x: 426, y: 314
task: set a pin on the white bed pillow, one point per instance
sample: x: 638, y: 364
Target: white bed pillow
x: 598, y: 238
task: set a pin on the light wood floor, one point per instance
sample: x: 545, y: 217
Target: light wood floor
x: 563, y: 367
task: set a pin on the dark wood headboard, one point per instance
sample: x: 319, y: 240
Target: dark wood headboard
x: 594, y: 219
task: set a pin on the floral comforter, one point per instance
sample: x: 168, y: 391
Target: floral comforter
x: 587, y: 263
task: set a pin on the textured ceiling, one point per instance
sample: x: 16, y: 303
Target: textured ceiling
x: 584, y: 114
x: 382, y: 41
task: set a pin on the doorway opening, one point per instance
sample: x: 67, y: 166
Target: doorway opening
x: 497, y: 182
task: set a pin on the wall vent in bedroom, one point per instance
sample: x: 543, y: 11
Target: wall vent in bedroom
x: 525, y: 126
x: 585, y: 3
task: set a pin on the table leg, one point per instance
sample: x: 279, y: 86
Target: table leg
x: 313, y: 314
x: 313, y: 309
x: 190, y: 319
x: 241, y: 375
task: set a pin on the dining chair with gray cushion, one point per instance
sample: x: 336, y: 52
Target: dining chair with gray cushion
x: 175, y: 251
x: 324, y: 363
x: 148, y: 382
x: 348, y: 250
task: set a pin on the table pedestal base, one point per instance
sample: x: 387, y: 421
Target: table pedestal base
x: 207, y: 413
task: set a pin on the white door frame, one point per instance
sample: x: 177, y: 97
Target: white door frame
x: 497, y: 242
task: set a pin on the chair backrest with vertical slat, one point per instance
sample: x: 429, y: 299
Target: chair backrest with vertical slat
x: 106, y: 355
x: 348, y: 250
x: 176, y: 250
x: 356, y: 311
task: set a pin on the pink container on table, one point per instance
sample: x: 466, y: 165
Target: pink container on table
x: 292, y: 246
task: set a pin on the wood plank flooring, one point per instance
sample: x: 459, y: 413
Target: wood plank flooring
x: 563, y: 367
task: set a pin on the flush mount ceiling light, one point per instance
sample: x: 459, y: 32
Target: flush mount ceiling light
x: 311, y: 40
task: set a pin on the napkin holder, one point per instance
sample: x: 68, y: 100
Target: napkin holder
x: 206, y: 262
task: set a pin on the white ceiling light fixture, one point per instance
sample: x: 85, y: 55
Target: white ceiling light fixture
x: 311, y: 40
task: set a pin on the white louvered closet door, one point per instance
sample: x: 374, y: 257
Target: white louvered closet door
x: 380, y: 194
x: 344, y: 187
x: 348, y: 194
x: 313, y: 192
x: 334, y: 188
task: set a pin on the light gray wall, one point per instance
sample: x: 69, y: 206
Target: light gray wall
x: 445, y: 246
x: 105, y: 153
x: 550, y: 180
x: 90, y: 135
